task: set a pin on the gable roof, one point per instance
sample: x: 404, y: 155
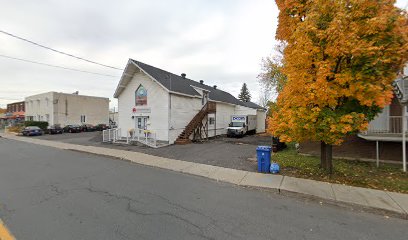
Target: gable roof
x: 177, y: 84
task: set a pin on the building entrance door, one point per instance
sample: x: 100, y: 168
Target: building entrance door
x: 141, y: 122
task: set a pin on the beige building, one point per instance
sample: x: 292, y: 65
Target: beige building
x: 64, y: 109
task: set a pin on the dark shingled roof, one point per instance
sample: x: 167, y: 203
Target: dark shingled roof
x: 182, y: 85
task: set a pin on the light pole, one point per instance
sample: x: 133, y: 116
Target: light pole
x: 404, y: 131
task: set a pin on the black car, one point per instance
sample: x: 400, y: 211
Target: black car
x: 88, y: 127
x: 72, y: 128
x: 101, y: 127
x: 55, y: 129
x: 32, y: 131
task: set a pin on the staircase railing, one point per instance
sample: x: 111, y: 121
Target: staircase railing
x: 209, y: 107
x: 401, y: 89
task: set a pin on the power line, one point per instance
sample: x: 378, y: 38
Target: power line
x: 57, y: 51
x: 56, y: 66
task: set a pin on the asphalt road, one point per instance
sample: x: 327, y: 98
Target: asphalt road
x: 47, y: 193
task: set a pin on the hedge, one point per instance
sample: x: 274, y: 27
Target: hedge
x: 40, y: 124
x: 15, y: 129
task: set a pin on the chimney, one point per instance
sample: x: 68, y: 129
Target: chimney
x: 183, y: 75
x: 215, y: 86
x: 202, y: 81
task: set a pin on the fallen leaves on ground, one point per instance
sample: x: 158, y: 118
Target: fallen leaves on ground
x: 387, y: 177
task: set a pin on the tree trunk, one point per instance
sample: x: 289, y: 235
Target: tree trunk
x: 322, y: 154
x: 326, y: 157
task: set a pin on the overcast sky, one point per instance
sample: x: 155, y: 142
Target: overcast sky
x: 220, y: 41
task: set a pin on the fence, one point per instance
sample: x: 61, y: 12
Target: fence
x: 385, y: 125
x: 146, y: 137
x: 143, y: 136
x: 111, y: 135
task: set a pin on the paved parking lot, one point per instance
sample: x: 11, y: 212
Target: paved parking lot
x: 237, y: 153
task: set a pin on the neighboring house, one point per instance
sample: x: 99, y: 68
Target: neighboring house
x: 165, y: 103
x: 383, y: 138
x: 64, y: 109
x: 15, y: 112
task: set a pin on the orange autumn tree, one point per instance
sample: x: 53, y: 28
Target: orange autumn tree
x: 340, y: 60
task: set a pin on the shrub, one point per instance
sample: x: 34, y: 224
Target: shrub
x: 41, y: 124
x: 15, y: 129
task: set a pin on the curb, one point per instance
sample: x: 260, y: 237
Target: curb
x: 345, y: 205
x: 367, y: 200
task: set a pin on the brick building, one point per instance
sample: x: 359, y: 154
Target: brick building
x: 15, y: 112
x: 16, y: 107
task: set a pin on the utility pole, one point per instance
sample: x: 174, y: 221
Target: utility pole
x: 404, y: 132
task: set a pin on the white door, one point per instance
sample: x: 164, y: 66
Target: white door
x: 141, y: 122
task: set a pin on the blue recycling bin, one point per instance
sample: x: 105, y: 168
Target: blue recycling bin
x: 263, y: 155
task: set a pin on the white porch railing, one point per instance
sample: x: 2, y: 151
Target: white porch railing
x: 385, y: 125
x: 112, y: 135
x: 391, y: 128
x: 147, y: 137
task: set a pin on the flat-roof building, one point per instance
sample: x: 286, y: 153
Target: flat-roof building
x: 64, y: 108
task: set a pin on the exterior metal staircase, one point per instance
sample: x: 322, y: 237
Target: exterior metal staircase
x: 401, y: 89
x: 196, y: 124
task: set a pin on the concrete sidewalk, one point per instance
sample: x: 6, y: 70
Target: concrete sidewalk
x: 391, y: 203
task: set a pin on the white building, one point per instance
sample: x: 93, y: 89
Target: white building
x: 64, y: 109
x: 388, y: 125
x: 165, y: 103
x: 386, y: 136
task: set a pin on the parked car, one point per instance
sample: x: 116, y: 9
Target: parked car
x: 72, y: 128
x: 55, y: 129
x: 32, y: 131
x: 101, y: 127
x: 88, y: 128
